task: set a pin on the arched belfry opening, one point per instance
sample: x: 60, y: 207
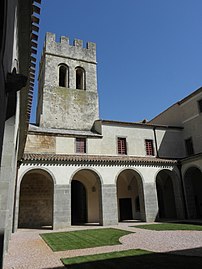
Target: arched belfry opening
x: 193, y: 191
x: 130, y: 196
x: 86, y: 198
x: 80, y: 78
x: 36, y: 200
x: 63, y: 75
x: 165, y: 195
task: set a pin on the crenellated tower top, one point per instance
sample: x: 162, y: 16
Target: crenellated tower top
x: 77, y: 50
x: 67, y: 97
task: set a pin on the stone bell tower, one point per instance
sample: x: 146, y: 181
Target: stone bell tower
x: 68, y: 97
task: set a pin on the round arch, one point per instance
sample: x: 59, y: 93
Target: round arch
x: 86, y: 197
x: 44, y: 171
x: 193, y: 192
x: 165, y: 194
x: 36, y: 199
x: 94, y: 171
x: 130, y: 196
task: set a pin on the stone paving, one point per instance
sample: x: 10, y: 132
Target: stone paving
x: 27, y: 250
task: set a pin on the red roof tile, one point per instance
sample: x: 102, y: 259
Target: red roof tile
x: 95, y: 159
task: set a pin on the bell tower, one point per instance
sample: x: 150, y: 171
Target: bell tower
x: 67, y: 97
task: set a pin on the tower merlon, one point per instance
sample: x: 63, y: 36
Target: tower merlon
x: 64, y: 39
x: 50, y: 37
x: 78, y: 43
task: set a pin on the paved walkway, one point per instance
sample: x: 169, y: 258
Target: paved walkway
x: 28, y: 251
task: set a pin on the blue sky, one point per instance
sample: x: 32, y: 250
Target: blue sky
x: 149, y: 52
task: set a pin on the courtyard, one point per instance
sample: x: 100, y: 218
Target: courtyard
x: 28, y: 250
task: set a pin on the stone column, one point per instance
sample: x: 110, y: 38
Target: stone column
x: 109, y: 205
x: 7, y: 179
x: 151, y: 203
x: 62, y: 206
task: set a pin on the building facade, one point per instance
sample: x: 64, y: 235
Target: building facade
x: 18, y: 36
x: 78, y: 169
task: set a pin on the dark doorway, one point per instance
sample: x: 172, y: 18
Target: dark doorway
x: 193, y: 188
x: 78, y: 203
x: 165, y: 195
x: 125, y: 205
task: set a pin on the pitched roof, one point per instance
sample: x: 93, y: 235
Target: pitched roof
x: 33, y: 129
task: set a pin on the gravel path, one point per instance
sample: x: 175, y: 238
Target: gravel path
x: 28, y: 251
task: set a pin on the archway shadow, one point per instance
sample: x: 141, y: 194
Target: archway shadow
x: 49, y: 228
x: 147, y: 261
x: 87, y: 224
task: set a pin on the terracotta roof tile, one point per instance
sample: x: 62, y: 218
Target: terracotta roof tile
x: 95, y: 159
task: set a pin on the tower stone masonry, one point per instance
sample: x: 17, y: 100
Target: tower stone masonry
x: 68, y: 97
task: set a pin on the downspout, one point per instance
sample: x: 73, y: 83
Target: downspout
x: 155, y: 141
x: 15, y: 198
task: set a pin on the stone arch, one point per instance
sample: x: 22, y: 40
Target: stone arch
x: 80, y: 78
x: 166, y: 195
x: 130, y: 196
x: 36, y: 200
x: 86, y: 197
x: 193, y: 192
x: 63, y: 70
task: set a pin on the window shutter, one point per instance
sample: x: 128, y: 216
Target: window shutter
x: 149, y: 147
x: 80, y: 145
x: 122, y: 146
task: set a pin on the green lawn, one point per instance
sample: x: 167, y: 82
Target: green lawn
x: 133, y: 259
x: 83, y: 239
x: 170, y: 227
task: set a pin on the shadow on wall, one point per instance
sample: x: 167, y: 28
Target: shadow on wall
x: 170, y: 143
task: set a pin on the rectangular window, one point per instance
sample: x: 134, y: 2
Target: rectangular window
x: 200, y: 105
x: 149, y: 147
x: 189, y: 146
x: 122, y: 146
x: 80, y: 145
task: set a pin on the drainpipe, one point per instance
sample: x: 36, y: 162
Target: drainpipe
x: 15, y: 197
x: 155, y: 140
x: 179, y: 166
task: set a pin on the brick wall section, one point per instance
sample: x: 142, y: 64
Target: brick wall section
x: 40, y: 143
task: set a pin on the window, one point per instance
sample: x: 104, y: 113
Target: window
x: 149, y: 147
x: 63, y: 76
x: 80, y: 78
x: 80, y: 145
x: 189, y: 146
x: 122, y: 146
x: 200, y: 105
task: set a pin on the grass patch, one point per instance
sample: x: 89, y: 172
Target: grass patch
x: 83, y: 239
x: 104, y: 256
x: 170, y: 227
x: 130, y: 259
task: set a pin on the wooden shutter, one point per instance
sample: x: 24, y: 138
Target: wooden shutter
x: 149, y: 147
x: 80, y: 145
x: 122, y: 146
